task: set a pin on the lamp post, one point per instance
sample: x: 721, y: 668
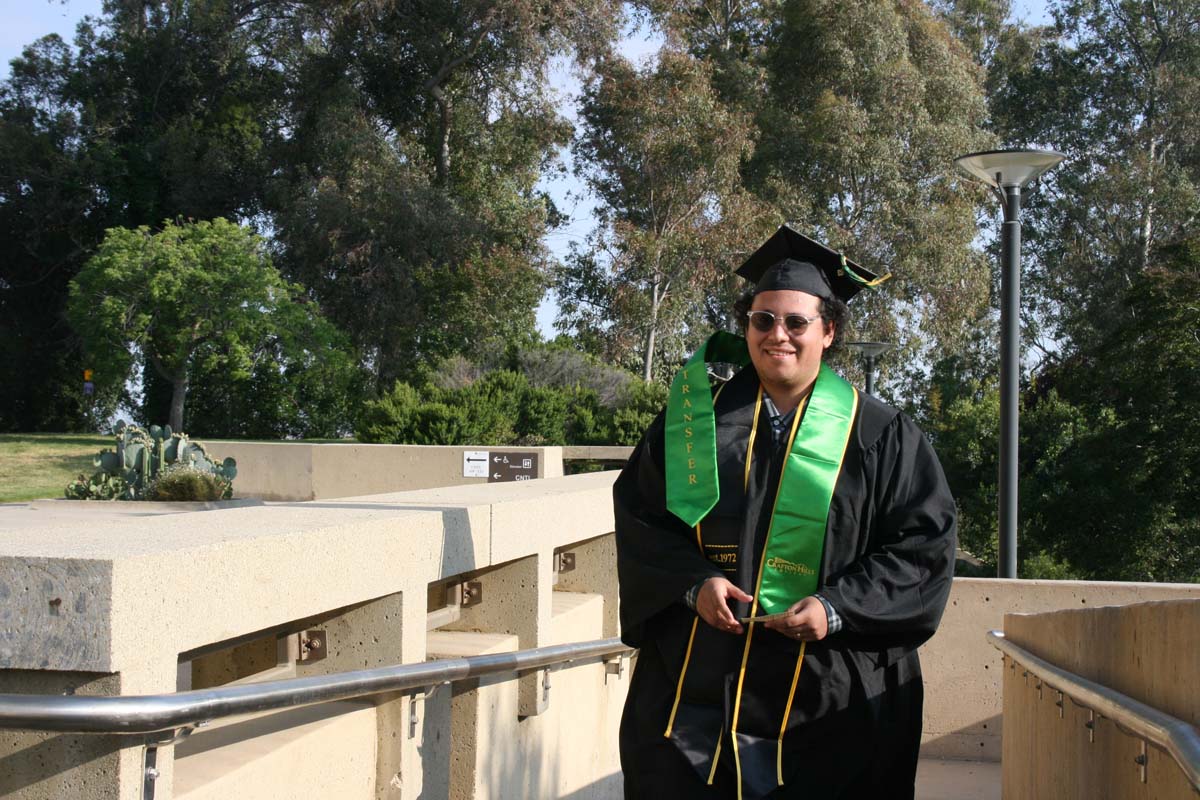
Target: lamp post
x: 1008, y: 172
x: 870, y: 351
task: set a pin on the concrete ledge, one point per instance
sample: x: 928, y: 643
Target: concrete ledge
x: 300, y: 471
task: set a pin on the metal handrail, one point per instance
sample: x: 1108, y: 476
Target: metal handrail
x: 1177, y: 737
x: 138, y: 714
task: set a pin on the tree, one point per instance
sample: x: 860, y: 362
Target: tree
x: 1114, y: 86
x: 662, y: 153
x: 858, y: 110
x: 408, y: 202
x: 192, y: 297
x: 1122, y: 500
x: 161, y: 110
x: 304, y: 381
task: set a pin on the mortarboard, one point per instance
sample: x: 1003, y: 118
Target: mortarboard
x: 791, y: 260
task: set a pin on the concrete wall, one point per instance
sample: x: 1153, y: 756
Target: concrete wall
x: 1148, y: 651
x: 299, y: 471
x: 113, y: 608
x: 963, y: 683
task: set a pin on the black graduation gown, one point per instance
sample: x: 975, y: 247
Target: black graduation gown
x: 853, y: 723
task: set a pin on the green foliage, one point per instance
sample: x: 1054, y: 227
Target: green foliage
x: 1113, y: 85
x: 201, y: 300
x: 140, y: 457
x: 161, y: 111
x: 101, y: 486
x: 184, y: 483
x: 663, y: 153
x: 1109, y: 448
x: 399, y: 183
x: 505, y: 407
x: 304, y: 382
x: 419, y: 132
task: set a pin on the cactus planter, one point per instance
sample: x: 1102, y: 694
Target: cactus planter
x: 127, y: 472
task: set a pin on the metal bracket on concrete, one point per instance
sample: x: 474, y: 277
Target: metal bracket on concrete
x: 459, y: 595
x: 615, y: 666
x: 313, y: 645
x: 1091, y: 726
x: 1059, y: 703
x: 546, y: 685
x: 423, y: 695
x: 1141, y: 759
x: 564, y: 562
x: 470, y: 593
x: 150, y: 760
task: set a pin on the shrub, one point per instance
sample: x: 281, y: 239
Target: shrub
x: 184, y: 483
x: 504, y: 407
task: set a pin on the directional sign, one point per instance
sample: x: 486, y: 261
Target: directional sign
x: 475, y: 463
x: 505, y: 467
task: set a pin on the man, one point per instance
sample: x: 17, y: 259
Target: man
x: 784, y: 544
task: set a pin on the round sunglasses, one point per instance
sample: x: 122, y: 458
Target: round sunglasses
x: 765, y: 321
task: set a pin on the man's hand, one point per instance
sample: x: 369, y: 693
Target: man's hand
x: 712, y: 604
x: 806, y: 621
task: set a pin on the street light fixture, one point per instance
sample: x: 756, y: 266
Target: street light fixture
x: 870, y: 351
x: 1008, y: 172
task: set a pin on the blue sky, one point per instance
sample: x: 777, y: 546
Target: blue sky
x: 27, y: 20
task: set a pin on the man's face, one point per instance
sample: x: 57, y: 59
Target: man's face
x: 786, y: 360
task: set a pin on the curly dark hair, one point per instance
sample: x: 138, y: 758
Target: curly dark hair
x: 833, y: 311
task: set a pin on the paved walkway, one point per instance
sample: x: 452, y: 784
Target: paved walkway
x: 958, y: 780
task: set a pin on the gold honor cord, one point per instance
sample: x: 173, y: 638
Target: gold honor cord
x: 679, y: 690
x: 787, y: 712
x: 854, y: 276
x: 791, y: 557
x: 737, y: 701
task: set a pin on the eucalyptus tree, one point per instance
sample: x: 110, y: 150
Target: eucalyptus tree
x: 662, y: 153
x: 858, y: 110
x: 1114, y: 85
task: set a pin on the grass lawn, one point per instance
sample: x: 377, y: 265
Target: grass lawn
x: 37, y: 465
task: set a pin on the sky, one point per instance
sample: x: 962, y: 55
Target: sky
x: 27, y: 20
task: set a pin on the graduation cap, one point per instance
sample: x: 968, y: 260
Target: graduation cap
x: 791, y: 260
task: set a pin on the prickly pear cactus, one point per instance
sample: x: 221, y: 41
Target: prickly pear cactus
x: 127, y: 472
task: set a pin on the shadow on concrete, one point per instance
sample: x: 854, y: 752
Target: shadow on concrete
x: 979, y: 741
x: 41, y: 763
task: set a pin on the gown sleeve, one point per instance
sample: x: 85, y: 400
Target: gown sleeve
x: 658, y: 559
x: 891, y: 596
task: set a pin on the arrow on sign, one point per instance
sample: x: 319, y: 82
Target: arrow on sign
x: 475, y: 459
x: 496, y: 475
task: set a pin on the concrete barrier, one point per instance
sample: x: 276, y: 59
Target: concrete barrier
x: 963, y: 672
x: 1147, y: 651
x: 302, y: 471
x: 184, y: 600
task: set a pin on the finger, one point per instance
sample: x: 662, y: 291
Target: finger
x: 726, y: 620
x: 738, y: 594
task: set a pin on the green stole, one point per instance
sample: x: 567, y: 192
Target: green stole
x: 796, y: 538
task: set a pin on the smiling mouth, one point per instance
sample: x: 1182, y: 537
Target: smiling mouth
x: 780, y: 353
